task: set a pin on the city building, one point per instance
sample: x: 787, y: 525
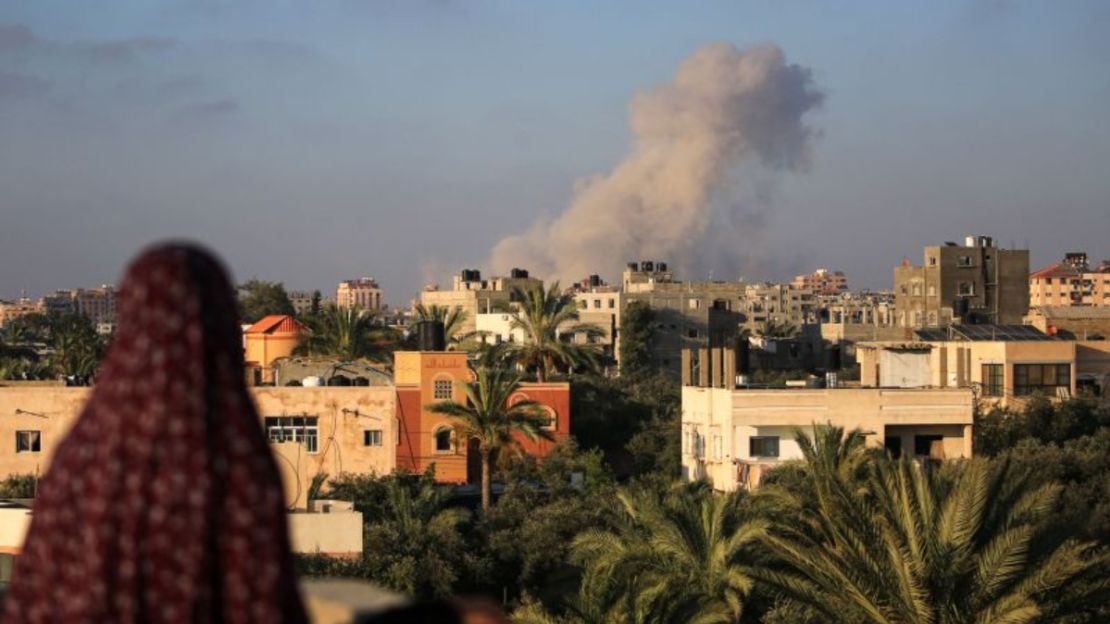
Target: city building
x: 1004, y: 364
x: 822, y: 281
x: 976, y: 282
x: 302, y: 302
x: 97, y: 304
x: 602, y: 306
x: 361, y: 293
x: 1071, y: 282
x: 272, y: 337
x: 474, y: 295
x: 732, y: 435
x: 11, y: 310
x: 1068, y: 321
x: 429, y: 439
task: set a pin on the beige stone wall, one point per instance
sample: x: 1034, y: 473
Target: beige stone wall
x: 335, y: 533
x: 14, y: 522
x: 343, y: 415
x: 718, y: 424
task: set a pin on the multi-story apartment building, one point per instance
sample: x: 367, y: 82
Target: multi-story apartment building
x: 474, y: 295
x: 11, y: 310
x: 1071, y: 282
x: 302, y: 302
x: 822, y: 281
x: 360, y: 293
x: 733, y: 434
x: 977, y: 282
x: 98, y: 304
x: 602, y: 306
x: 780, y: 304
x: 1004, y: 364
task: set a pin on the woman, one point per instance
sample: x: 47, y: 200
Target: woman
x: 163, y: 504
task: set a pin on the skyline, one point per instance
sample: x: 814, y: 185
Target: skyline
x: 404, y: 140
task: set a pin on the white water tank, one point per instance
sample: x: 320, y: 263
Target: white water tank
x: 312, y: 382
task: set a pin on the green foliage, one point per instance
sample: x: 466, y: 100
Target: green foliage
x: 452, y: 319
x: 1041, y: 420
x: 18, y: 486
x: 548, y: 320
x: 677, y: 555
x: 413, y: 541
x: 72, y: 347
x: 883, y: 541
x: 345, y: 333
x: 775, y: 329
x: 636, y: 333
x: 258, y: 299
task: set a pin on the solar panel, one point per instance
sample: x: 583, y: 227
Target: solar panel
x: 984, y: 333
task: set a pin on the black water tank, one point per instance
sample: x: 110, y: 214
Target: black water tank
x: 430, y: 336
x: 633, y: 266
x: 743, y: 358
x: 518, y: 273
x: 661, y: 266
x: 361, y: 381
x: 647, y: 266
x: 595, y: 281
x: 339, y: 380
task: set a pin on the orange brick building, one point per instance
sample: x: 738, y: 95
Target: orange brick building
x: 272, y: 337
x: 425, y: 438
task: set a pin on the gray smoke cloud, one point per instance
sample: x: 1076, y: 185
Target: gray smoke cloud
x: 725, y: 110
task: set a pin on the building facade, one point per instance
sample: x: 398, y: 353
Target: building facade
x: 427, y: 439
x: 474, y: 295
x: 822, y: 281
x: 272, y: 337
x: 1071, y: 282
x: 360, y: 293
x: 732, y: 436
x: 976, y: 282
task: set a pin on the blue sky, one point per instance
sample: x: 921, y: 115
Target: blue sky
x: 314, y: 141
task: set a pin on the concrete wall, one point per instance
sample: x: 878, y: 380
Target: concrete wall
x: 14, y: 522
x: 343, y: 414
x: 718, y: 423
x: 335, y: 533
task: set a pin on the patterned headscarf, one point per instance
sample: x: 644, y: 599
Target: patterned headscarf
x: 163, y: 504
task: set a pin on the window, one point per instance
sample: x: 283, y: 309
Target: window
x: 928, y: 446
x: 301, y: 429
x: 443, y: 440
x: 1042, y: 378
x: 612, y: 303
x: 551, y: 421
x: 28, y: 441
x: 694, y: 304
x: 597, y: 304
x: 442, y: 389
x: 932, y: 260
x: 372, y: 437
x: 965, y: 261
x: 763, y: 446
x: 692, y: 333
x: 893, y: 446
x: 965, y: 289
x: 917, y: 290
x: 992, y: 380
x: 932, y: 290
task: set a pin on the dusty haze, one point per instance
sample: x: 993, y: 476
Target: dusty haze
x: 728, y: 116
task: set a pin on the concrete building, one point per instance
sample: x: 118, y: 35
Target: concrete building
x: 1074, y: 322
x: 475, y: 295
x: 97, y: 304
x: 271, y: 338
x: 11, y: 310
x: 302, y: 302
x: 780, y: 304
x: 732, y: 436
x: 1004, y: 365
x: 976, y: 282
x: 312, y: 430
x: 360, y: 293
x: 822, y: 281
x: 426, y: 439
x: 602, y: 306
x: 1071, y: 282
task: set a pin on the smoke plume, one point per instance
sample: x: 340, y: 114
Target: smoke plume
x: 726, y: 111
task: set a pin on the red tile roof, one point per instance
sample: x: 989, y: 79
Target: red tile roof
x: 1057, y: 269
x: 277, y: 324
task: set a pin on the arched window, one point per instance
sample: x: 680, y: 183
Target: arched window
x: 443, y: 387
x: 552, y: 419
x: 443, y: 440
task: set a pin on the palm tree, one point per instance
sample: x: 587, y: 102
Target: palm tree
x: 346, y: 333
x: 775, y: 329
x: 899, y: 542
x: 682, y: 555
x: 76, y: 346
x: 452, y: 319
x: 548, y: 319
x: 488, y: 417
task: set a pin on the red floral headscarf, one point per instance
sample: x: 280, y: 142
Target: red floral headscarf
x: 163, y: 504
